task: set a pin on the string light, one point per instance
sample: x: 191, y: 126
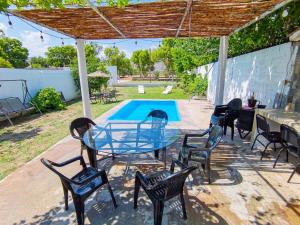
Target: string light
x: 285, y: 13
x: 9, y: 21
x: 42, y: 38
x: 62, y: 42
x: 135, y: 42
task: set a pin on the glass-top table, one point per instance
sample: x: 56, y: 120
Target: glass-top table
x: 123, y: 138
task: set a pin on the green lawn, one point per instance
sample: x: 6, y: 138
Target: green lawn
x: 33, y: 134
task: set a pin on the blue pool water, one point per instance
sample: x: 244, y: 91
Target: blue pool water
x: 139, y: 109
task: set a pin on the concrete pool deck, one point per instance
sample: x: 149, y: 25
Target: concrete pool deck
x: 244, y: 190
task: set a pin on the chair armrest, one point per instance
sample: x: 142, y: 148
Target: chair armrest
x: 143, y: 180
x: 178, y: 163
x: 186, y: 136
x: 78, y: 158
x: 101, y: 174
x: 195, y: 150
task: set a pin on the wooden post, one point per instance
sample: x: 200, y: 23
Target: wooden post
x: 223, y: 50
x: 84, y: 85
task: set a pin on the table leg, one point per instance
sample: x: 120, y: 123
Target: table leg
x: 164, y: 149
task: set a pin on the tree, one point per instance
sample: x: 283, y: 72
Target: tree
x: 142, y: 60
x: 38, y: 62
x: 61, y: 56
x: 12, y: 51
x: 4, y: 63
x: 5, y: 4
x: 93, y: 62
x: 115, y: 57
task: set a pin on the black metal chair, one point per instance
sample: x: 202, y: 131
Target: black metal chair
x: 162, y: 186
x: 263, y: 129
x: 198, y: 153
x: 244, y: 122
x: 158, y: 119
x: 81, y: 185
x: 225, y: 115
x: 290, y: 144
x: 78, y: 127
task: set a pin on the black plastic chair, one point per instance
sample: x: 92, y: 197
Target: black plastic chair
x: 78, y: 127
x: 162, y: 186
x: 201, y: 154
x: 263, y: 129
x: 81, y: 185
x: 291, y: 145
x: 158, y: 120
x: 244, y: 122
x: 225, y: 115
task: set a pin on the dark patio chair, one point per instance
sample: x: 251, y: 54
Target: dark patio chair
x: 78, y: 127
x: 290, y: 145
x: 202, y: 154
x: 225, y: 115
x: 81, y: 185
x: 158, y: 119
x: 244, y: 122
x: 163, y: 186
x: 263, y: 129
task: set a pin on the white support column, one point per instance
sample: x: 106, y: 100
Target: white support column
x: 84, y: 85
x: 223, y: 50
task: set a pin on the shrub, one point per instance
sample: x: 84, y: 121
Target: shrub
x: 48, y: 99
x: 193, y: 84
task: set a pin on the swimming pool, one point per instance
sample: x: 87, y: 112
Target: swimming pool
x: 139, y: 109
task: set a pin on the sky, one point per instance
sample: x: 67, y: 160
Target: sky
x: 30, y: 38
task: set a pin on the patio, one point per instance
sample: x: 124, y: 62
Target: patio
x: 244, y: 190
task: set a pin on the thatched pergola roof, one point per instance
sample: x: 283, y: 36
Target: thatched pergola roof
x: 195, y: 18
x: 98, y: 74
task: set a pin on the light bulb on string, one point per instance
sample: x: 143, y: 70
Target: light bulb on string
x: 285, y: 13
x: 42, y: 38
x: 114, y: 45
x: 9, y: 21
x: 62, y: 42
x: 256, y: 27
x: 136, y: 42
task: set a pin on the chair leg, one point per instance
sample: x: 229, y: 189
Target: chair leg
x: 158, y: 212
x: 208, y: 170
x: 79, y: 208
x: 279, y: 153
x: 264, y: 151
x: 112, y: 195
x: 232, y: 132
x: 287, y: 156
x: 254, y: 141
x: 66, y: 197
x: 183, y: 206
x: 294, y: 171
x: 225, y: 130
x: 275, y: 149
x: 136, y: 192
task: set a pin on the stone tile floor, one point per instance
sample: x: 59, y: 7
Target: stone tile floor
x: 244, y: 190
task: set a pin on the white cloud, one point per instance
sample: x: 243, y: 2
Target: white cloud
x: 3, y: 27
x: 32, y: 41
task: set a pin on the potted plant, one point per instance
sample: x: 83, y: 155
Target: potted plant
x: 252, y: 101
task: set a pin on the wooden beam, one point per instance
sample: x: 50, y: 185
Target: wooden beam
x: 277, y: 6
x: 187, y: 9
x: 105, y: 19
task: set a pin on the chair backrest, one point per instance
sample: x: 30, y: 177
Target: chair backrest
x: 214, y: 138
x: 80, y: 125
x: 245, y: 120
x: 174, y: 183
x: 235, y: 104
x: 290, y: 136
x: 262, y: 124
x: 159, y: 118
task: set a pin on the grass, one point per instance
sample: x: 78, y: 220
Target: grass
x: 33, y: 134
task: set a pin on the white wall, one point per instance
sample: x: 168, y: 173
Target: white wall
x: 262, y: 72
x: 60, y: 79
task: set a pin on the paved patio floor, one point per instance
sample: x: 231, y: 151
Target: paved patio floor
x: 244, y: 190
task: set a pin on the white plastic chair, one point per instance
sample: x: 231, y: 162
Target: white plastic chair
x: 168, y: 90
x: 141, y: 89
